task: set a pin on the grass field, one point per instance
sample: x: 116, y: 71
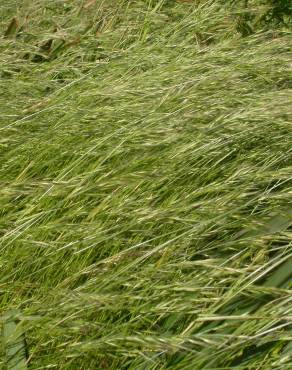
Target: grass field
x: 145, y: 186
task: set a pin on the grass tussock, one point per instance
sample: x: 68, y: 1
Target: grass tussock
x: 145, y: 199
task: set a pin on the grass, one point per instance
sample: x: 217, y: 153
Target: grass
x: 145, y: 191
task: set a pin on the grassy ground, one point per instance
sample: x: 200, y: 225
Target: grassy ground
x: 145, y: 198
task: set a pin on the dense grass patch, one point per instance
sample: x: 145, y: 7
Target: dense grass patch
x: 145, y: 199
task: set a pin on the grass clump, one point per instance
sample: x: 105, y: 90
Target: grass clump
x: 262, y: 15
x: 145, y: 186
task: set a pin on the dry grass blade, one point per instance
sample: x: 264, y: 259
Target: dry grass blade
x: 12, y: 29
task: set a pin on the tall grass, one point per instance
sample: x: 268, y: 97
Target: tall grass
x: 145, y: 186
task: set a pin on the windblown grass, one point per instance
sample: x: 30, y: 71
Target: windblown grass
x: 145, y: 186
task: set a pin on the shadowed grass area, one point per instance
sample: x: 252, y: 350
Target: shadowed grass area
x: 145, y: 199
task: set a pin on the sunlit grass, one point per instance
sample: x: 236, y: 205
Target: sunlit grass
x: 145, y: 186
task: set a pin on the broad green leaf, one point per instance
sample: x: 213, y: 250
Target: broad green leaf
x: 14, y: 343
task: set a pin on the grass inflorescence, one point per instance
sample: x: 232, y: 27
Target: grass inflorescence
x: 145, y: 200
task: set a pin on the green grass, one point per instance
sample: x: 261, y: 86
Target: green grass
x: 145, y: 198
